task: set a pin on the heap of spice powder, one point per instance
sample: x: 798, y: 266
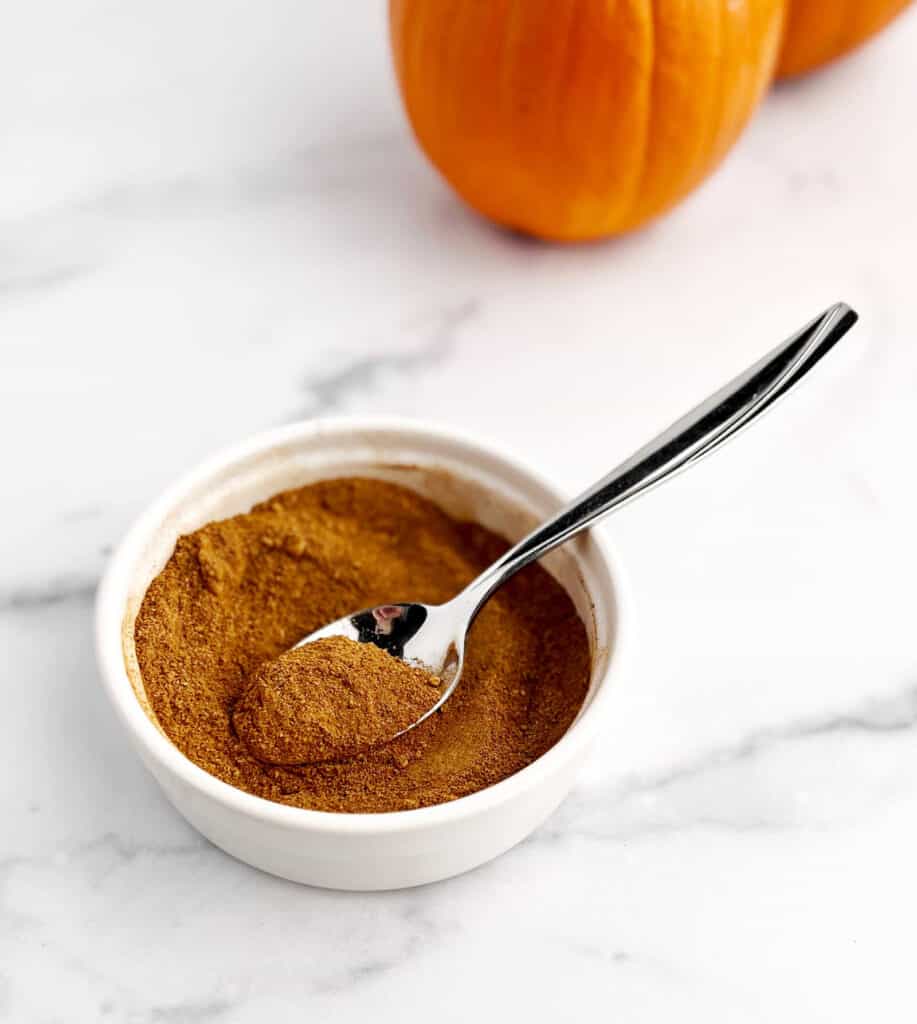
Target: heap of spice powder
x: 238, y: 593
x: 330, y: 699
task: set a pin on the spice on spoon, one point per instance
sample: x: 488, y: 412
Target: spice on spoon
x: 330, y: 699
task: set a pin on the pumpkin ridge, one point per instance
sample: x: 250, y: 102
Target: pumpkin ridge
x: 567, y: 64
x: 650, y: 118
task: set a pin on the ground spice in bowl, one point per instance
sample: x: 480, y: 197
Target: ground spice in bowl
x: 236, y: 594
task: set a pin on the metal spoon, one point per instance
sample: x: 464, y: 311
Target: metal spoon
x: 434, y: 635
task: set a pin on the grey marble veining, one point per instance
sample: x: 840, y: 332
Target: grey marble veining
x: 56, y: 591
x: 439, y: 333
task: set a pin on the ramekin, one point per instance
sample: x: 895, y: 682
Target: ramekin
x: 362, y: 851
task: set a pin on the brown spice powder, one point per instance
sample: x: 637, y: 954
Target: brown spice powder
x: 328, y: 700
x: 240, y: 592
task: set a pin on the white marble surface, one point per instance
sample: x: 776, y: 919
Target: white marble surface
x: 213, y: 220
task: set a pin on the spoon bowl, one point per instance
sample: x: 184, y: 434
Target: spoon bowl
x: 430, y: 636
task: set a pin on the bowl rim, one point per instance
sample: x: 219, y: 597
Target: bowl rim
x: 108, y: 626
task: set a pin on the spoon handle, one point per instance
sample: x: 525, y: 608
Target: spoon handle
x: 684, y: 443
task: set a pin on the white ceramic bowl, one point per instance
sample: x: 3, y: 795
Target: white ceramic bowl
x: 360, y: 851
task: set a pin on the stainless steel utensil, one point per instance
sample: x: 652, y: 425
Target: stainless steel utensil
x: 434, y: 635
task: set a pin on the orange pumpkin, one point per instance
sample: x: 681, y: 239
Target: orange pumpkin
x: 575, y: 119
x: 817, y: 31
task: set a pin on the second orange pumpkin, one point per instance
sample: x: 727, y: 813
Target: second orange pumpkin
x: 575, y: 119
x: 817, y: 31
